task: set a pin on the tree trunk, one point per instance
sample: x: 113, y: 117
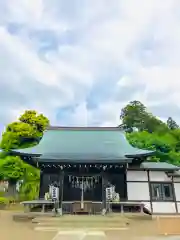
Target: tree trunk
x: 12, y: 192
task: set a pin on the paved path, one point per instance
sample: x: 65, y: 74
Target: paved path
x: 10, y: 230
x: 101, y: 235
x: 80, y: 235
x: 160, y: 238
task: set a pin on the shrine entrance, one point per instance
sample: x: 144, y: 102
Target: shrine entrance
x: 82, y: 188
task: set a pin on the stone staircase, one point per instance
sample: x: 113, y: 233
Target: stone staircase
x: 114, y: 222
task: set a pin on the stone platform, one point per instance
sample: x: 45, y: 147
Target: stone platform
x: 77, y: 221
x: 111, y: 221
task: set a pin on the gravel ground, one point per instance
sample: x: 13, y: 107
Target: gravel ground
x: 10, y: 230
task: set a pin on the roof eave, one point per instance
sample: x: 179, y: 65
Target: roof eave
x: 19, y: 152
x: 159, y: 169
x: 84, y: 161
x: 175, y: 173
x: 145, y: 154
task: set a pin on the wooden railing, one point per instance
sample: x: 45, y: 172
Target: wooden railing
x: 125, y: 207
x: 88, y: 207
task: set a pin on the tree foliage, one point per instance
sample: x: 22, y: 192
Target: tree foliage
x: 38, y: 121
x: 11, y: 168
x: 25, y: 132
x: 152, y: 134
x: 172, y: 124
x: 135, y: 115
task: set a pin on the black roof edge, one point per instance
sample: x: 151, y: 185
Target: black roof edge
x: 84, y: 128
x: 84, y: 162
x: 140, y: 155
x: 168, y: 170
x: 24, y: 154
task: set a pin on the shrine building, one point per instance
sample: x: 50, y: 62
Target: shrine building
x: 84, y: 162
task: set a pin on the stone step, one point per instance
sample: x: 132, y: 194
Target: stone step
x: 71, y: 218
x: 85, y: 224
x: 56, y: 229
x: 82, y: 221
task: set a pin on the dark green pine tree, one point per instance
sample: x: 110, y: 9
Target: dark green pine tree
x: 172, y: 124
x: 135, y: 116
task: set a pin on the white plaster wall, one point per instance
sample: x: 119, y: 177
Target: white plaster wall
x: 163, y: 207
x: 177, y: 191
x: 178, y: 207
x: 137, y: 175
x: 158, y: 176
x: 176, y: 179
x: 138, y: 191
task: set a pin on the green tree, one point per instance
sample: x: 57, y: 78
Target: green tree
x: 38, y: 121
x: 26, y: 132
x: 12, y: 169
x: 165, y: 145
x: 29, y: 190
x: 172, y: 124
x: 176, y: 134
x: 135, y: 115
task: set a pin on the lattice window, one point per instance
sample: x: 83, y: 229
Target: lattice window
x: 162, y: 192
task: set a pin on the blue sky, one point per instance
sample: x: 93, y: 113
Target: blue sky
x: 79, y: 62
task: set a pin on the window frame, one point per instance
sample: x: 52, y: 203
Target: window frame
x: 162, y: 197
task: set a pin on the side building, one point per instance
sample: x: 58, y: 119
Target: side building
x: 83, y: 162
x: 157, y: 185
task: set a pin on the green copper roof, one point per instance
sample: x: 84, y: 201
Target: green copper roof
x: 84, y: 144
x: 175, y: 173
x: 158, y: 166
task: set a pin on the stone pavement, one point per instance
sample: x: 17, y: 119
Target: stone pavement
x: 101, y: 235
x: 160, y: 238
x: 80, y: 235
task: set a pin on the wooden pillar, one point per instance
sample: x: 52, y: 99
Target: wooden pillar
x: 150, y: 191
x: 41, y: 191
x: 174, y: 194
x: 61, y: 181
x: 104, y: 183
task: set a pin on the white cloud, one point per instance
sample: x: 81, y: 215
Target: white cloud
x: 133, y: 45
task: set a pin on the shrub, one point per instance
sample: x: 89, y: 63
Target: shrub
x: 29, y: 191
x: 11, y: 200
x: 4, y: 200
x: 2, y: 194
